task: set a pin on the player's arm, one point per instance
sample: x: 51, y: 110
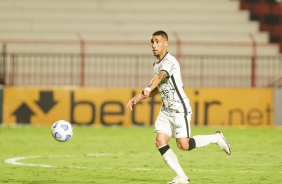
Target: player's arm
x: 139, y: 97
x: 153, y: 84
x: 150, y: 91
x: 154, y: 92
x: 134, y: 100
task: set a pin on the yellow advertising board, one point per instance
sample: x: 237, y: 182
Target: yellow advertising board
x: 90, y: 106
x: 36, y: 106
x: 236, y: 107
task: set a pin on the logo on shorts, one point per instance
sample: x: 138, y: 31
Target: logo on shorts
x: 177, y: 126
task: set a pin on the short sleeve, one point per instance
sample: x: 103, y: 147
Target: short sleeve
x: 167, y: 66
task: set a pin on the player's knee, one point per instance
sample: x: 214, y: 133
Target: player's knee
x: 186, y: 144
x: 159, y: 143
x: 161, y: 140
x: 182, y: 145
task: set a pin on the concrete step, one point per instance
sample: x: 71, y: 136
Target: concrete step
x: 127, y: 5
x: 135, y: 36
x: 173, y: 26
x: 124, y: 16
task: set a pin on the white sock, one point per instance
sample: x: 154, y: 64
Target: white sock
x: 171, y: 160
x: 204, y: 140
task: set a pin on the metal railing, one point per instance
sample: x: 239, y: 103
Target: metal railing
x: 133, y: 70
x: 129, y: 70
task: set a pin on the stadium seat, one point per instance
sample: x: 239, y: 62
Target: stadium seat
x: 63, y: 21
x: 269, y: 15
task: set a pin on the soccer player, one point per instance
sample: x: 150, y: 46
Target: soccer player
x: 174, y: 118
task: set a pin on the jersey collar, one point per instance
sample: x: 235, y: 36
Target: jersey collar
x: 162, y: 58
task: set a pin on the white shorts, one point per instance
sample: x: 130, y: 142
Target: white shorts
x: 175, y: 125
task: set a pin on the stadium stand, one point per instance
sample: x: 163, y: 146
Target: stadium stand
x: 200, y: 21
x: 104, y: 43
x: 269, y: 15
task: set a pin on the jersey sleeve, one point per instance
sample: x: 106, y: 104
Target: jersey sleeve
x: 168, y: 67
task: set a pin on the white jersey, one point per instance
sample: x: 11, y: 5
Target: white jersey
x: 171, y: 88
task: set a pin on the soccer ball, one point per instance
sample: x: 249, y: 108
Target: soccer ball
x: 62, y: 131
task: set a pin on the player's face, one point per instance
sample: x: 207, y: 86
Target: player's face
x: 159, y: 46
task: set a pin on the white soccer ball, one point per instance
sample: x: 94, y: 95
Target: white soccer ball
x: 62, y: 131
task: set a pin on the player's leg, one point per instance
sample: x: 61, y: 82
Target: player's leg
x: 184, y: 142
x: 163, y: 134
x: 168, y: 155
x: 197, y: 141
x: 218, y: 138
x: 182, y: 130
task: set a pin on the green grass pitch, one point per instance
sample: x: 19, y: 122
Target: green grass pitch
x: 128, y: 155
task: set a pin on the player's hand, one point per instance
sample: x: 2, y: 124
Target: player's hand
x: 134, y: 101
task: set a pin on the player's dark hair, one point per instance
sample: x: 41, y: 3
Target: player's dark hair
x: 161, y: 33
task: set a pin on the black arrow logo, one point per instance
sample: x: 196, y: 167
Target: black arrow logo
x: 46, y: 101
x: 23, y: 114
